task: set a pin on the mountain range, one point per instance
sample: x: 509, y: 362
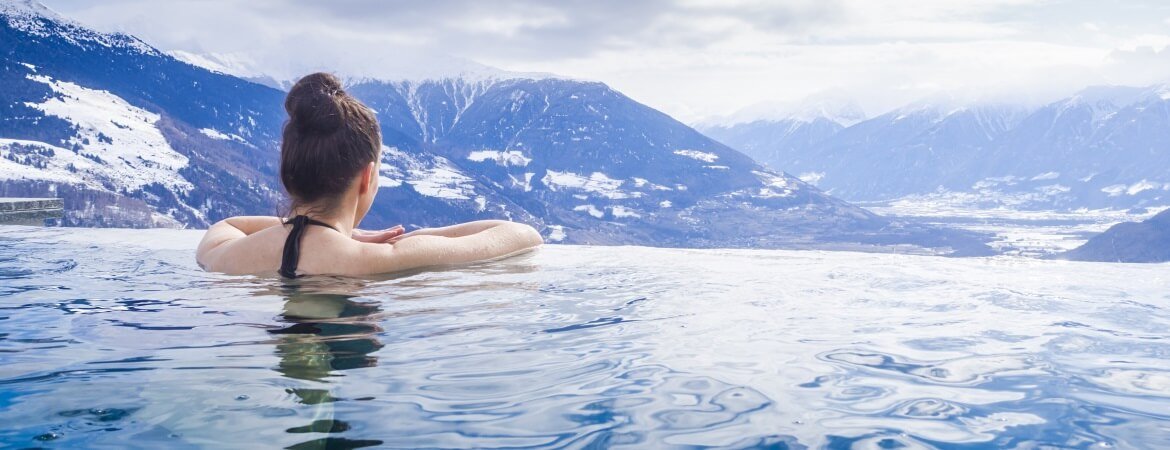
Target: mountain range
x: 131, y: 136
x: 1104, y: 147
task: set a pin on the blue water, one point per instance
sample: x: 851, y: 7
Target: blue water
x: 115, y: 339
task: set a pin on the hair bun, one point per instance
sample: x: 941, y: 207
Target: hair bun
x: 314, y: 104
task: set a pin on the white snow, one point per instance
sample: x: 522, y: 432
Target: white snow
x: 463, y: 91
x: 216, y: 134
x: 591, y: 210
x: 433, y: 178
x: 774, y: 185
x: 1114, y: 190
x: 1053, y: 189
x: 834, y: 107
x: 1163, y: 92
x: 1117, y: 190
x: 524, y: 182
x: 597, y: 183
x: 132, y: 150
x: 387, y: 182
x: 56, y: 170
x: 811, y: 177
x: 29, y: 16
x: 236, y: 64
x: 698, y: 155
x: 556, y: 233
x: 640, y: 182
x: 442, y: 181
x: 1140, y: 186
x: 505, y: 158
x: 623, y: 212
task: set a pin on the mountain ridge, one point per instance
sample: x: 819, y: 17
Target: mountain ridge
x: 1101, y: 147
x: 578, y: 160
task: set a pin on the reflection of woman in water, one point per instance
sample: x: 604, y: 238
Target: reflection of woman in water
x: 329, y: 159
x: 326, y: 333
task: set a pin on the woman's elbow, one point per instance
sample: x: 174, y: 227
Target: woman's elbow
x: 529, y: 237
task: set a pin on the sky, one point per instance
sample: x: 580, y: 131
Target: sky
x: 697, y: 60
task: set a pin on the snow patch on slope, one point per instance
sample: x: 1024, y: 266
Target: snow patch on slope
x: 524, y: 182
x: 556, y: 233
x: 641, y: 182
x: 436, y: 177
x: 218, y: 135
x: 591, y: 210
x: 698, y: 155
x: 774, y: 185
x: 597, y: 183
x: 1117, y: 190
x: 442, y: 181
x: 811, y: 177
x: 32, y: 160
x: 506, y: 158
x: 120, y: 140
x: 623, y: 212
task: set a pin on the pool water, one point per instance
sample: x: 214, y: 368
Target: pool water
x: 116, y: 339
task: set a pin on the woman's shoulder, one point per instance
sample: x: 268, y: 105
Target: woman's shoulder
x: 245, y: 254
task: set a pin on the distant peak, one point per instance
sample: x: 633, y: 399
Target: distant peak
x: 1162, y: 91
x: 29, y: 8
x: 843, y: 111
x: 30, y: 16
x: 1118, y: 96
x: 405, y: 67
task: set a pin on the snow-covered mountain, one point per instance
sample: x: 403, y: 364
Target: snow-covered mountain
x: 777, y: 143
x: 909, y: 150
x: 131, y: 136
x: 776, y: 134
x: 595, y: 166
x: 1103, y: 147
x: 125, y: 134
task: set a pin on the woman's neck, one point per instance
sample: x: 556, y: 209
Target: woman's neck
x: 339, y: 217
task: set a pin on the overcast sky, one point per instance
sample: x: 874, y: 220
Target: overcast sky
x: 691, y: 59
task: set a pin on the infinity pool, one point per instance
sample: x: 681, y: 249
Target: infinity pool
x: 116, y: 339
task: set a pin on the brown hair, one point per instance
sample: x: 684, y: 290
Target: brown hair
x: 328, y: 139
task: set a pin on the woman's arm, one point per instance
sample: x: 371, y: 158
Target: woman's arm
x: 452, y: 231
x: 228, y: 230
x: 252, y: 224
x: 472, y: 241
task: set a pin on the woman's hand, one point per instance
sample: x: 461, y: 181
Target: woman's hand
x: 386, y: 236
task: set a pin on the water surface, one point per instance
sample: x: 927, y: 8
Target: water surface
x: 115, y: 338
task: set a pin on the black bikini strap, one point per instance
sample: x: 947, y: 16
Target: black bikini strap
x: 292, y: 244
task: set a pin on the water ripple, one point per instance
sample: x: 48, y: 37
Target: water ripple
x: 116, y: 339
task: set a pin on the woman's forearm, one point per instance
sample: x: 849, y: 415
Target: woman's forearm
x: 491, y: 241
x: 459, y: 230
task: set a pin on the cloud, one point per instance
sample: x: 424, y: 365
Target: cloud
x: 1138, y: 66
x: 691, y: 58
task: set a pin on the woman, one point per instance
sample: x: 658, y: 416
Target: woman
x: 329, y: 159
